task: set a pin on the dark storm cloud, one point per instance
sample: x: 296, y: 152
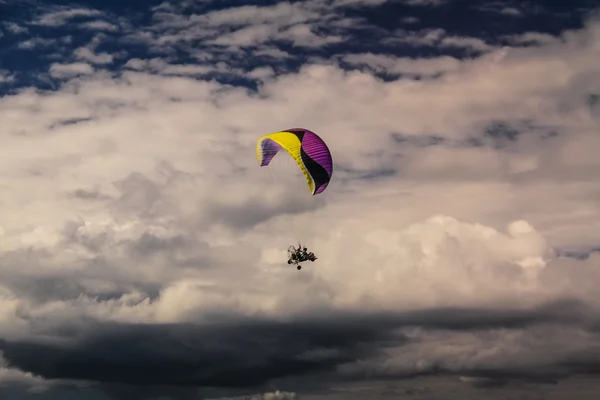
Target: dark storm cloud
x: 244, y: 353
x: 126, y: 392
x: 231, y: 355
x: 563, y: 312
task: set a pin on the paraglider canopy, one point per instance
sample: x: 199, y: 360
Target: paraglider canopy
x: 308, y: 150
x: 312, y: 156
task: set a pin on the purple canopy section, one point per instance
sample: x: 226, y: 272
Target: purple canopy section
x: 317, y: 158
x: 269, y: 150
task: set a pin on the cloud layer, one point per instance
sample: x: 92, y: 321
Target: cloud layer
x: 142, y: 250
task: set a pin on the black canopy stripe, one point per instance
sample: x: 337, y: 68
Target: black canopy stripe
x: 316, y: 170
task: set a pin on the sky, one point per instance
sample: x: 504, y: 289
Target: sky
x: 143, y: 249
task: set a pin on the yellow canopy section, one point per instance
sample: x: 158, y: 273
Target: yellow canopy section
x: 269, y: 145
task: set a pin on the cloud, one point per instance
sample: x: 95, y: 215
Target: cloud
x: 410, y: 20
x: 15, y: 28
x: 478, y: 343
x: 511, y: 11
x: 11, y: 376
x: 6, y: 77
x: 426, y: 2
x: 38, y: 42
x: 473, y: 43
x: 70, y: 70
x: 100, y: 26
x: 438, y: 37
x: 367, y: 3
x: 405, y: 66
x: 142, y: 246
x: 534, y: 38
x: 276, y: 395
x: 84, y: 53
x: 252, y: 25
x: 256, y: 352
x: 59, y: 16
